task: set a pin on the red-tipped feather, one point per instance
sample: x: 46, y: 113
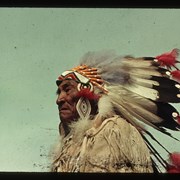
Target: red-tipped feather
x: 178, y: 120
x: 176, y: 75
x: 168, y: 59
x: 174, y: 163
x: 88, y: 94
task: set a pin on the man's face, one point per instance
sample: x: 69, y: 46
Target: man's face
x: 67, y: 100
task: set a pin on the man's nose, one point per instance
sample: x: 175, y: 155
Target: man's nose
x: 61, y: 98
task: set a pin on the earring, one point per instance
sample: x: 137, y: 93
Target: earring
x: 83, y: 107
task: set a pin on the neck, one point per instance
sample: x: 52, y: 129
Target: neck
x: 63, y: 129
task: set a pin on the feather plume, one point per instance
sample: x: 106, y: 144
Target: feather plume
x: 174, y: 163
x: 141, y: 90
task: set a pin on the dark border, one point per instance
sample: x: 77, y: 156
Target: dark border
x: 91, y: 3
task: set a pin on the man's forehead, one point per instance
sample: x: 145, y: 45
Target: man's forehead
x: 68, y: 82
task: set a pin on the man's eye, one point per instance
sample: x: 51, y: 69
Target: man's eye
x: 66, y: 90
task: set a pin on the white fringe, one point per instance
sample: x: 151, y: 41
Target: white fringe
x: 78, y: 128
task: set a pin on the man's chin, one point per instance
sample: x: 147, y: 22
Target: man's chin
x: 66, y: 119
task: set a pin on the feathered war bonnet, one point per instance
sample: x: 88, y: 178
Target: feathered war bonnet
x: 141, y: 90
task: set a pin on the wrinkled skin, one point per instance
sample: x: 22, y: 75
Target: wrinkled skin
x: 67, y: 100
x: 68, y: 96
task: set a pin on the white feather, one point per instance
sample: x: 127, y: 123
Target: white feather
x: 105, y: 106
x: 78, y: 128
x: 144, y: 82
x: 143, y: 91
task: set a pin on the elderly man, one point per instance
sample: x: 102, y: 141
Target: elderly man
x: 104, y: 106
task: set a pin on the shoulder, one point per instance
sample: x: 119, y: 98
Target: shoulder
x: 120, y: 127
x: 115, y: 124
x: 118, y: 122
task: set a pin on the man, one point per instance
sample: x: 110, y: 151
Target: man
x: 104, y: 106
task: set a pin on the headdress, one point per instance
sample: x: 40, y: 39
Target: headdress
x: 142, y: 90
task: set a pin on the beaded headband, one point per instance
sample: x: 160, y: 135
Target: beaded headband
x: 84, y: 75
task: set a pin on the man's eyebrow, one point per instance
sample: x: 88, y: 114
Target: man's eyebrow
x: 66, y: 85
x: 63, y: 87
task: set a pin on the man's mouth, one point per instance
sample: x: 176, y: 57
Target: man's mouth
x: 62, y: 109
